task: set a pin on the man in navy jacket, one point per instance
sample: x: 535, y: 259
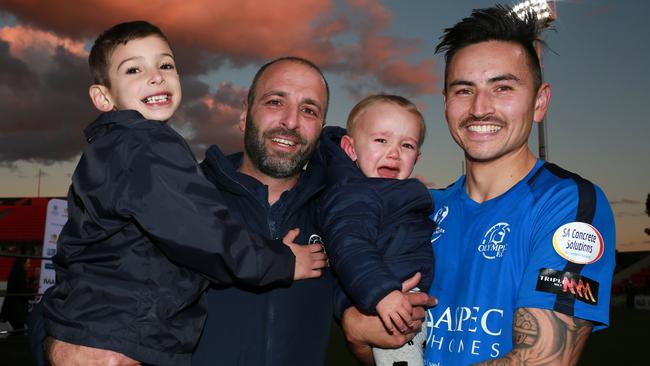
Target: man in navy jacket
x: 269, y: 189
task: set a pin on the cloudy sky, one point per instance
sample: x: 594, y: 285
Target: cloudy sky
x: 597, y: 66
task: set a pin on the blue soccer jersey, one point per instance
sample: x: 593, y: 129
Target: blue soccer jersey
x: 548, y: 243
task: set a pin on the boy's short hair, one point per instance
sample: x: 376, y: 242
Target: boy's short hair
x: 105, y: 44
x: 386, y: 98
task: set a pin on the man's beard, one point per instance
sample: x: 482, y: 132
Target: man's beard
x: 278, y: 165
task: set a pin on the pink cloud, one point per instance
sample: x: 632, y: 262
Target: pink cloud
x: 22, y: 39
x: 242, y: 31
x: 43, y: 61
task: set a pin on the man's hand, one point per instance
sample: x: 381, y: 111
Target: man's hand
x: 61, y: 353
x: 310, y: 259
x: 363, y: 331
x: 395, y: 312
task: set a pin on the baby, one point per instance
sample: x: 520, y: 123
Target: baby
x: 375, y: 220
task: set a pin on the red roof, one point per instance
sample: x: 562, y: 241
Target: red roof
x: 22, y: 219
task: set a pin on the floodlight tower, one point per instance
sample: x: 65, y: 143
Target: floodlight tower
x: 545, y: 14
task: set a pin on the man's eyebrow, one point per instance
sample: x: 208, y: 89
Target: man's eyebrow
x: 313, y: 102
x: 504, y: 77
x: 269, y: 93
x: 279, y: 93
x: 461, y: 82
x: 492, y: 80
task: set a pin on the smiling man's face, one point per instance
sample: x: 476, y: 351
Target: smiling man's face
x: 282, y: 126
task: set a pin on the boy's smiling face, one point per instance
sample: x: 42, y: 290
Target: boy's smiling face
x: 143, y: 77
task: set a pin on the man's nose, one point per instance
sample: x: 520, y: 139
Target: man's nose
x: 290, y: 119
x: 482, y: 105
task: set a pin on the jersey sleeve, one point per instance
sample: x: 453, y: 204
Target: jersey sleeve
x: 350, y: 217
x: 160, y: 186
x: 572, y: 244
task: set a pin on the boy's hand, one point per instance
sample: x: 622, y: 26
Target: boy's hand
x: 310, y: 259
x: 395, y: 309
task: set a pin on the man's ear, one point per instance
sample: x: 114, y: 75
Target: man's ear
x: 101, y: 97
x: 347, y: 144
x: 242, y: 116
x: 542, y: 101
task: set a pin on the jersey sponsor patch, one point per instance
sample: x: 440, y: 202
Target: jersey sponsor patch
x: 568, y: 284
x: 578, y: 242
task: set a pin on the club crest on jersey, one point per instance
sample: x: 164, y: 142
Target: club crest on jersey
x: 578, y: 242
x: 438, y: 218
x: 494, y: 242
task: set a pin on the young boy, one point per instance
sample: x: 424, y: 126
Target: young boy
x: 377, y: 231
x: 142, y: 220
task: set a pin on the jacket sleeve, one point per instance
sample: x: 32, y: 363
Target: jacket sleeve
x: 351, y: 216
x: 160, y: 186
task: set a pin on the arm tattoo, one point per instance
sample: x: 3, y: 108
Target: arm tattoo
x: 545, y: 337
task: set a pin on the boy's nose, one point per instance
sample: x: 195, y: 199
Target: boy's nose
x: 156, y: 78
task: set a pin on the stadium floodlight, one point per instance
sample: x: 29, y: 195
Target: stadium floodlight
x: 545, y: 15
x: 539, y: 8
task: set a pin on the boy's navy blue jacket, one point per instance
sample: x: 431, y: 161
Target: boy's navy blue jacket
x: 140, y: 215
x: 377, y: 230
x: 281, y: 326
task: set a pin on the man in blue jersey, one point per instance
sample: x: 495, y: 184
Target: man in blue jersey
x: 524, y: 250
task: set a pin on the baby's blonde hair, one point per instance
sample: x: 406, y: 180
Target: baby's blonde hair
x: 387, y: 98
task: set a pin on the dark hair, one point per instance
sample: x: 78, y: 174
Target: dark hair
x: 300, y: 60
x: 105, y: 44
x: 386, y: 98
x: 498, y: 23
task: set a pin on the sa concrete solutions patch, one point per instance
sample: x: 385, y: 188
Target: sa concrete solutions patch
x: 578, y: 242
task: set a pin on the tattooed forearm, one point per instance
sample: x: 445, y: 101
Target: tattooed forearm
x: 545, y: 337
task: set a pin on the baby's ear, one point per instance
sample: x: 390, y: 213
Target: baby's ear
x: 101, y: 97
x: 347, y: 144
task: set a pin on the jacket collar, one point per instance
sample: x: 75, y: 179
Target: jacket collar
x: 107, y: 119
x: 222, y: 171
x: 339, y: 166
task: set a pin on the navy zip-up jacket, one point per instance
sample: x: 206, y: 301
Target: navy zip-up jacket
x: 282, y: 326
x: 377, y: 230
x: 140, y: 216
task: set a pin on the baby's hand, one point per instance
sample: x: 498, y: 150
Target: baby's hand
x: 310, y: 259
x: 395, y: 311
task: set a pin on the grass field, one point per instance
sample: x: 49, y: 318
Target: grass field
x: 625, y: 342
